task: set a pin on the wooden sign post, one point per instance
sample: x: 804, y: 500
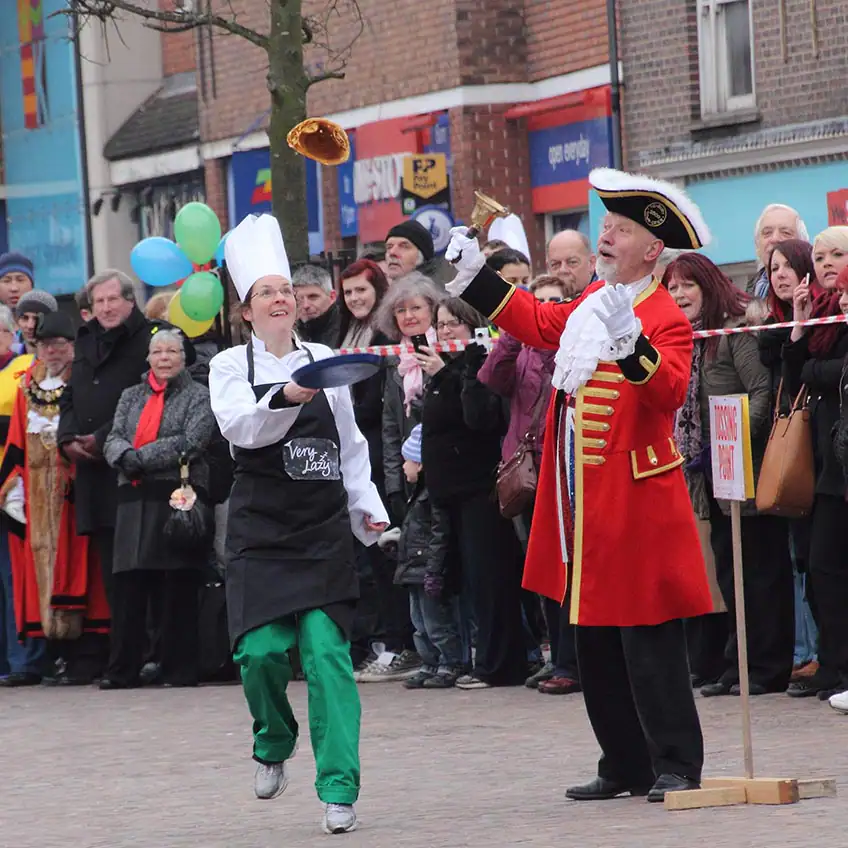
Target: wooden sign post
x: 733, y: 480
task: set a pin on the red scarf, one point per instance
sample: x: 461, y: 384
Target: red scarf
x: 151, y: 416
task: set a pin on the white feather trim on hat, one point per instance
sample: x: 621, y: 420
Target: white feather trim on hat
x: 511, y: 231
x: 611, y: 180
x: 255, y: 249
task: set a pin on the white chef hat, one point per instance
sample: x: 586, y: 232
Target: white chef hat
x: 255, y: 249
x: 511, y: 231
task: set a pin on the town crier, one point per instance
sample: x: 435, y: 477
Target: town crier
x: 613, y: 528
x: 59, y: 591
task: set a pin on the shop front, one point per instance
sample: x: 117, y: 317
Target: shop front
x: 250, y: 192
x: 377, y: 188
x: 567, y: 136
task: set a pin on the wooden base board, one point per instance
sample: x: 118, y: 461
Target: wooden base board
x: 728, y: 791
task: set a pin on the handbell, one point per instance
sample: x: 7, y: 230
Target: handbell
x: 485, y: 210
x: 320, y: 139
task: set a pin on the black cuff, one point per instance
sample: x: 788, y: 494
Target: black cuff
x: 279, y: 399
x: 642, y: 364
x: 488, y: 292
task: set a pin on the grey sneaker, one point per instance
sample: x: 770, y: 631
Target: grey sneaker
x: 339, y: 818
x: 388, y: 667
x: 270, y: 781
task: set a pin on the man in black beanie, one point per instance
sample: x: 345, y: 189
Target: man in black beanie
x: 408, y: 246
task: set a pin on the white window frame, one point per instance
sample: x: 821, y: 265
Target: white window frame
x: 712, y: 61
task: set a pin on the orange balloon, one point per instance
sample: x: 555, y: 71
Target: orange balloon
x: 178, y: 318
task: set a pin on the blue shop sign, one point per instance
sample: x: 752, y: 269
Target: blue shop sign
x: 251, y: 184
x: 561, y: 158
x: 348, y: 212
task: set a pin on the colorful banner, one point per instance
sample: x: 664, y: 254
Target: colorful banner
x: 251, y: 182
x: 42, y: 157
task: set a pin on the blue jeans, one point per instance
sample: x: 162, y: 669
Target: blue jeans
x: 806, y: 632
x: 437, y: 630
x: 15, y: 658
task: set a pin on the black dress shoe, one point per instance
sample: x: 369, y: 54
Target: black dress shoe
x: 720, y: 687
x: 20, y: 678
x: 753, y: 689
x: 670, y: 783
x: 603, y: 789
x: 107, y: 684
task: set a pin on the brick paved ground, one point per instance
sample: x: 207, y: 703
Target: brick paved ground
x: 171, y: 769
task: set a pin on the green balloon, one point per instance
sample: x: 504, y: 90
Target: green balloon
x: 201, y: 296
x: 197, y: 231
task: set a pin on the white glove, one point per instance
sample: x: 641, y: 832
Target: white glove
x: 615, y: 309
x: 470, y: 260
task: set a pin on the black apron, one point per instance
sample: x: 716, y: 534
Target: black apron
x: 289, y: 538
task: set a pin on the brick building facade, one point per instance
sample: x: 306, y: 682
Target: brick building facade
x: 747, y: 108
x: 516, y: 94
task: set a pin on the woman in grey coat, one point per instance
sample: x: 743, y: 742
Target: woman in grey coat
x: 160, y: 423
x: 730, y: 365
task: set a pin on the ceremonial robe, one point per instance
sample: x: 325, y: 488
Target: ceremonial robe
x: 58, y: 586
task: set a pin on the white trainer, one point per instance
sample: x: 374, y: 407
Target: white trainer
x: 339, y: 818
x: 839, y: 702
x: 270, y: 781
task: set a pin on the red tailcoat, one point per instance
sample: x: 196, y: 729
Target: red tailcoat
x: 77, y: 579
x: 636, y: 552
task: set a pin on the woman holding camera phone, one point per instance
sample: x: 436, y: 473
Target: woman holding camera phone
x: 463, y: 423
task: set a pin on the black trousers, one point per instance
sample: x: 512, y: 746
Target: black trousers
x: 491, y: 559
x: 828, y: 569
x: 639, y: 699
x: 706, y: 640
x: 769, y: 596
x: 179, y: 652
x: 394, y: 626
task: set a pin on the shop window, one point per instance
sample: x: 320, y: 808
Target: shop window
x: 560, y: 221
x: 725, y: 56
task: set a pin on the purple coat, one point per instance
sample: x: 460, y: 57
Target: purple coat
x: 520, y: 373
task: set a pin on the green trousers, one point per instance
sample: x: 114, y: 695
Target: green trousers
x: 334, y: 709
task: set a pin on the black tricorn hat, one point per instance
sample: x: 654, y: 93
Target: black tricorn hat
x: 660, y: 207
x: 55, y: 325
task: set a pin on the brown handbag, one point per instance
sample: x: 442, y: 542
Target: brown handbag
x: 788, y: 478
x: 518, y: 476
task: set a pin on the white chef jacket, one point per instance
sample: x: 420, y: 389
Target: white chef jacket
x: 249, y: 423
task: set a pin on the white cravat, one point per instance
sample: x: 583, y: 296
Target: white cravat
x: 585, y: 341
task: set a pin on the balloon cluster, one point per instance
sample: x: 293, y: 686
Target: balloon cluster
x: 161, y: 262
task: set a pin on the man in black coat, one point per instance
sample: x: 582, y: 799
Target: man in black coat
x: 110, y: 356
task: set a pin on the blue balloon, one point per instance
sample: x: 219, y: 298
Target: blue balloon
x: 219, y: 253
x: 160, y: 262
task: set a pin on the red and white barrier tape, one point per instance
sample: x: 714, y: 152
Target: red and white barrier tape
x: 458, y: 345
x: 732, y: 331
x: 455, y: 346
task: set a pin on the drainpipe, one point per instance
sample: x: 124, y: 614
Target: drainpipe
x: 615, y: 88
x: 75, y: 23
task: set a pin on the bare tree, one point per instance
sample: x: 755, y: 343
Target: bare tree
x: 290, y: 28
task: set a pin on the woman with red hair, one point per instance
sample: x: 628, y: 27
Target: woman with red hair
x: 383, y: 609
x: 729, y: 365
x: 814, y: 357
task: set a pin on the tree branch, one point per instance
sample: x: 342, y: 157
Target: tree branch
x: 165, y: 21
x: 312, y: 80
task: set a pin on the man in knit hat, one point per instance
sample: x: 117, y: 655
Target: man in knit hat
x: 16, y: 278
x: 408, y: 246
x: 28, y: 310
